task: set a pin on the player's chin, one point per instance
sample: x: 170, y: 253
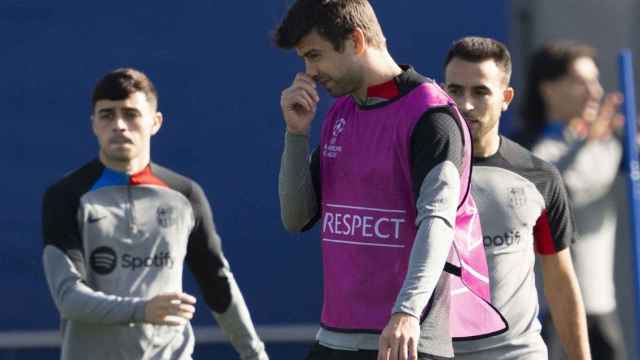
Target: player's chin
x: 337, y: 93
x: 121, y: 153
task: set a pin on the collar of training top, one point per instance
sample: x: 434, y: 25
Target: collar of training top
x: 111, y: 177
x: 400, y: 85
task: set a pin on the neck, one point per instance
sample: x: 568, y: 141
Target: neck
x: 486, y: 146
x: 381, y: 68
x: 129, y: 167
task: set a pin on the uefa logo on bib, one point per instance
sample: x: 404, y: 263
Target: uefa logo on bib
x: 331, y: 150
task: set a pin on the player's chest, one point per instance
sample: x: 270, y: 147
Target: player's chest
x: 136, y: 218
x: 509, y: 206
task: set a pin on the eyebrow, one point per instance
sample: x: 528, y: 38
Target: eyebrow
x: 309, y: 52
x: 474, y: 87
x: 125, y: 108
x: 105, y: 110
x: 112, y: 109
x: 481, y: 87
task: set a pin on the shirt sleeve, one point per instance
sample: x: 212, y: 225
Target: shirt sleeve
x: 555, y: 228
x: 63, y: 261
x: 436, y: 138
x: 298, y: 184
x: 436, y: 159
x: 217, y: 283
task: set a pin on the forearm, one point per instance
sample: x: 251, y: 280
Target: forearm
x: 425, y: 266
x: 237, y: 324
x: 77, y: 301
x: 567, y: 310
x: 436, y: 207
x: 298, y: 204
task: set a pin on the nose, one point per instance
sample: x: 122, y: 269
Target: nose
x: 465, y: 103
x: 120, y: 124
x: 310, y: 69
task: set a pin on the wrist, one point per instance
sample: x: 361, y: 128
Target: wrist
x: 139, y: 311
x: 298, y: 132
x: 403, y: 315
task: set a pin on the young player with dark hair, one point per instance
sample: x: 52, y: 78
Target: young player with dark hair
x: 117, y: 232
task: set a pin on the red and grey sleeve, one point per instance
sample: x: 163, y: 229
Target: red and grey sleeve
x: 555, y: 228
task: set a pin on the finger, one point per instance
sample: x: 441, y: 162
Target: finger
x: 173, y: 320
x: 383, y: 348
x: 403, y: 349
x: 311, y: 90
x: 412, y: 347
x: 310, y: 100
x: 383, y: 354
x: 300, y: 100
x: 615, y: 97
x: 187, y: 308
x: 185, y: 315
x: 610, y: 105
x: 302, y: 77
x: 395, y: 348
x: 186, y: 298
x: 181, y: 310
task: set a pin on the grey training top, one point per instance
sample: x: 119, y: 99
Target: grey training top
x: 523, y: 208
x: 112, y: 241
x: 589, y: 169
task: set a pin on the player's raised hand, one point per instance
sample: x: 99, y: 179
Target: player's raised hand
x: 609, y: 118
x: 169, y: 309
x: 299, y: 104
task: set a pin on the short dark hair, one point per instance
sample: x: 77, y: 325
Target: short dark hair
x: 334, y: 20
x: 119, y: 84
x: 550, y: 62
x: 478, y: 49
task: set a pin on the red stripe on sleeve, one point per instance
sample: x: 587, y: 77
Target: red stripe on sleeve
x: 542, y: 237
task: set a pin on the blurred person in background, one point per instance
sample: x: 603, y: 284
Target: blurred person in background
x: 569, y: 122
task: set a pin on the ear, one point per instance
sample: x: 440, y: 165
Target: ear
x: 359, y: 41
x: 93, y: 125
x: 157, y: 123
x: 507, y: 97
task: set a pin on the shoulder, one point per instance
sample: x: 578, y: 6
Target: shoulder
x: 437, y: 123
x: 77, y: 182
x: 177, y: 182
x: 521, y: 158
x: 529, y: 165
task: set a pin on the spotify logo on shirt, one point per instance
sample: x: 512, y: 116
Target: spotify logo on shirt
x: 103, y: 260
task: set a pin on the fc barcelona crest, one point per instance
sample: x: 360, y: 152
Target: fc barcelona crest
x: 166, y: 216
x: 517, y: 197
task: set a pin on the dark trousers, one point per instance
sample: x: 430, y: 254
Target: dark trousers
x: 319, y: 352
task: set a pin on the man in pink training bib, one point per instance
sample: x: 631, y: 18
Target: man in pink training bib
x: 389, y: 185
